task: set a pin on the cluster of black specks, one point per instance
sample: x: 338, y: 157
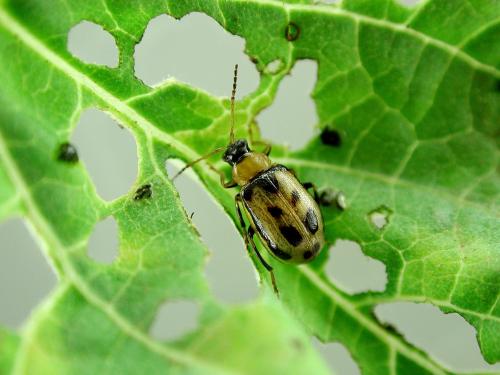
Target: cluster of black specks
x: 292, y: 32
x: 331, y: 137
x: 295, y: 197
x: 144, y: 192
x: 67, y: 153
x: 291, y: 234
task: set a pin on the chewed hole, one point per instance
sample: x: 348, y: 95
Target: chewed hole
x: 25, y: 276
x: 108, y: 151
x: 292, y: 116
x: 275, y: 66
x: 175, y: 319
x: 337, y: 357
x: 446, y: 337
x: 380, y: 217
x: 410, y: 3
x: 92, y: 44
x: 196, y: 50
x: 103, y: 242
x: 229, y: 269
x: 353, y: 271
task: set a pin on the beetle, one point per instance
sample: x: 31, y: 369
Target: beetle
x: 285, y: 217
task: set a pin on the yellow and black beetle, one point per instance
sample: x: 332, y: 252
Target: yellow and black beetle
x: 280, y: 210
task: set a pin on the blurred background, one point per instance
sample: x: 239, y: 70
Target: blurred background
x: 198, y: 51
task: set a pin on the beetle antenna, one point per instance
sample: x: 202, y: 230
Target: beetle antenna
x: 233, y: 95
x: 206, y: 156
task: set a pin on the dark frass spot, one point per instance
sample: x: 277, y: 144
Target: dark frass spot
x: 291, y: 234
x: 269, y: 183
x: 67, y: 153
x: 275, y: 212
x: 330, y: 137
x: 280, y: 253
x: 144, y: 192
x: 311, y: 221
x: 292, y: 32
x: 295, y: 197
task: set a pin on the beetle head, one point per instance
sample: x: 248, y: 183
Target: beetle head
x: 235, y: 151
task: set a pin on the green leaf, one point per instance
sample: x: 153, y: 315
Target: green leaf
x: 414, y: 95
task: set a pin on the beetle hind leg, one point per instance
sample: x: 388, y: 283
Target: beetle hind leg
x: 248, y: 237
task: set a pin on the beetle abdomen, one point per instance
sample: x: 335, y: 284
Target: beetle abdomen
x: 284, y: 215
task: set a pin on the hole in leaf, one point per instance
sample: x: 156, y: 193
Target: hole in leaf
x: 25, y: 276
x: 108, y: 152
x: 103, y: 242
x: 92, y: 44
x: 174, y: 319
x: 380, y: 217
x: 292, y: 116
x: 447, y: 337
x: 410, y: 3
x: 352, y: 270
x: 229, y: 269
x: 337, y: 357
x: 196, y: 50
x: 275, y: 66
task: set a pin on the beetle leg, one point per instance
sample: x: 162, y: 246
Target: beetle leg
x: 254, y: 142
x: 269, y: 269
x: 248, y: 236
x: 223, y: 182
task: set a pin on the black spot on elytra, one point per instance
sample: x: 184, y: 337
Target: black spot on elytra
x: 311, y: 221
x: 275, y: 212
x: 308, y: 254
x: 280, y: 253
x: 295, y: 197
x: 67, y: 153
x: 144, y: 192
x: 331, y: 137
x: 247, y: 193
x: 292, y: 32
x: 291, y: 234
x: 269, y: 183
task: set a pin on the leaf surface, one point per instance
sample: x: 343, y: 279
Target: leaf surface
x: 413, y: 94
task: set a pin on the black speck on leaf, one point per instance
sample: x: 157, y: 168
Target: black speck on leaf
x: 292, y: 32
x: 330, y: 137
x: 67, y: 153
x: 144, y: 192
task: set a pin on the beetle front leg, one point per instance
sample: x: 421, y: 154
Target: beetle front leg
x: 223, y: 182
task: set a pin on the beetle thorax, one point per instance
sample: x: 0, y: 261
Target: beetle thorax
x: 251, y: 164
